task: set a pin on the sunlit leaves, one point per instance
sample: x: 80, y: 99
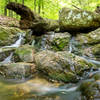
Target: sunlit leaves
x: 50, y: 8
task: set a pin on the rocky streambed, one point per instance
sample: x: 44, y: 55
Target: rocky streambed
x: 54, y: 66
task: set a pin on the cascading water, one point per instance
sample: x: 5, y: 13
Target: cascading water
x: 71, y: 45
x: 46, y: 39
x: 17, y: 43
x: 91, y: 60
x: 41, y: 90
x: 8, y: 59
x: 94, y: 61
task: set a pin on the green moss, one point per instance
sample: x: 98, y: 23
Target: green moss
x: 3, y: 35
x: 65, y: 77
x: 60, y: 43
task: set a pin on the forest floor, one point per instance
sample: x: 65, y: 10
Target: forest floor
x: 8, y: 21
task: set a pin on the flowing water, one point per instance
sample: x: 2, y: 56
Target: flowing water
x: 8, y: 59
x: 17, y: 43
x: 37, y: 89
x: 40, y: 89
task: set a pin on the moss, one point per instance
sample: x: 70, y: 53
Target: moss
x: 77, y: 20
x: 22, y: 51
x: 59, y: 44
x: 3, y: 35
x: 65, y: 77
x: 25, y: 53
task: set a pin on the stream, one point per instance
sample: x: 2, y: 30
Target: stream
x: 40, y: 89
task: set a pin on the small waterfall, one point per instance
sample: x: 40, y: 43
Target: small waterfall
x: 46, y: 40
x: 71, y: 46
x: 94, y: 61
x: 43, y: 43
x: 91, y: 60
x: 17, y: 43
x: 88, y: 74
x: 8, y: 59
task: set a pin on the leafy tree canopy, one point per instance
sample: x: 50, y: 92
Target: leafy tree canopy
x: 50, y: 8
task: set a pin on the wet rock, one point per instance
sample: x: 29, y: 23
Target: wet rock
x: 17, y: 70
x: 75, y: 47
x: 93, y: 52
x: 96, y: 76
x: 53, y: 41
x: 90, y: 38
x: 78, y: 20
x: 96, y: 51
x: 93, y: 90
x: 60, y: 41
x: 25, y: 53
x: 62, y: 66
x: 9, y: 35
x: 29, y: 37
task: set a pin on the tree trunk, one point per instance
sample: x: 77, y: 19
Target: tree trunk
x: 31, y: 20
x: 5, y: 9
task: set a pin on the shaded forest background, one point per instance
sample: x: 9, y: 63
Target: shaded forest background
x: 49, y: 8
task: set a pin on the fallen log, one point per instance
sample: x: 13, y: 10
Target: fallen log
x: 32, y: 20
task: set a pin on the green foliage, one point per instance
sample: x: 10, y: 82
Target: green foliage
x: 50, y: 8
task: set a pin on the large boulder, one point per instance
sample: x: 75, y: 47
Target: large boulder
x: 62, y: 66
x: 78, y: 20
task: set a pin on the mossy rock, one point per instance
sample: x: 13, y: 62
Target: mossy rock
x: 74, y: 20
x: 17, y: 70
x: 62, y: 66
x: 90, y: 38
x: 25, y: 53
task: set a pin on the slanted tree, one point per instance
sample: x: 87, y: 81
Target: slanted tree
x: 32, y: 20
x: 23, y: 2
x: 5, y: 9
x: 39, y: 4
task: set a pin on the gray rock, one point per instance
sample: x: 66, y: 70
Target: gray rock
x: 61, y: 66
x: 25, y: 53
x: 90, y: 38
x: 17, y: 70
x: 78, y: 20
